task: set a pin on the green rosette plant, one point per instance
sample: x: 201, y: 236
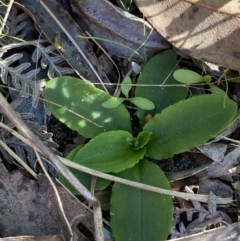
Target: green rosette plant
x: 176, y: 125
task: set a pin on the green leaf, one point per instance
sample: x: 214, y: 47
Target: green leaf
x: 84, y: 178
x: 142, y: 103
x: 186, y: 76
x: 188, y: 123
x: 113, y: 102
x: 109, y: 152
x: 141, y: 140
x: 79, y: 107
x: 140, y: 215
x: 216, y: 90
x: 126, y: 86
x: 158, y: 71
x: 74, y: 152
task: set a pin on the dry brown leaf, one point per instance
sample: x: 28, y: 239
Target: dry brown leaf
x: 118, y: 31
x: 224, y: 169
x: 64, y: 34
x: 229, y: 233
x: 203, y: 31
x: 216, y: 186
x: 189, y: 210
x: 29, y: 207
x: 182, y: 228
x: 212, y: 205
x: 215, y: 151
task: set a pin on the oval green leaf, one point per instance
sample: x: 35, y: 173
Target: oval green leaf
x: 142, y: 103
x: 113, y: 102
x: 140, y: 215
x: 79, y: 107
x: 126, y: 86
x: 186, y: 76
x: 188, y: 123
x: 109, y: 152
x: 158, y: 72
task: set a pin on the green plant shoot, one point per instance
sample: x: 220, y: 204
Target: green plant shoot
x: 140, y: 102
x: 177, y: 125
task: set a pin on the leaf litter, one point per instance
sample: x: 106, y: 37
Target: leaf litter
x: 35, y: 201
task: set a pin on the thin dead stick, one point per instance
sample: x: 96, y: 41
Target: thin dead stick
x: 9, y: 7
x: 232, y: 140
x: 195, y: 86
x: 197, y: 197
x: 56, y: 194
x: 187, y: 196
x: 40, y: 146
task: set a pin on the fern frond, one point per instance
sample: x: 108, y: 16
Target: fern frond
x: 20, y: 80
x: 5, y: 69
x: 25, y: 67
x: 25, y: 152
x: 48, y: 58
x: 15, y: 25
